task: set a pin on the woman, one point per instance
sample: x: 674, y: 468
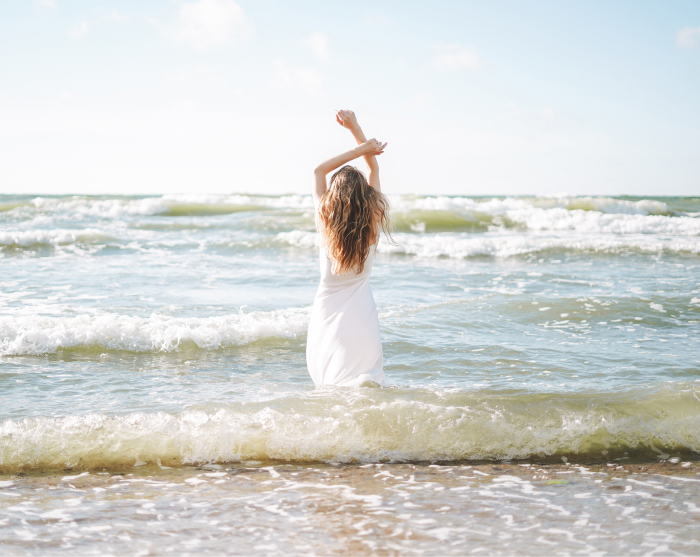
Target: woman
x: 343, y: 345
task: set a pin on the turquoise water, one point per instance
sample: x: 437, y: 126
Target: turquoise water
x: 172, y: 329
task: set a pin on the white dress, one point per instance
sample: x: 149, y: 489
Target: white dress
x: 343, y: 346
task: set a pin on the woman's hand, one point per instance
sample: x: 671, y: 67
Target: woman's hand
x: 371, y: 148
x: 347, y: 119
x: 367, y: 149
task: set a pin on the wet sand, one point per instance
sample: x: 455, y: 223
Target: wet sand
x: 257, y: 508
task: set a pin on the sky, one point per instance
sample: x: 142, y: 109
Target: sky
x: 503, y: 97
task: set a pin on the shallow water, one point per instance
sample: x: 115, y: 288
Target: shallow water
x: 144, y: 330
x: 395, y: 509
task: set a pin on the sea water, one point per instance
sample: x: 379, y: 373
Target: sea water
x: 154, y: 335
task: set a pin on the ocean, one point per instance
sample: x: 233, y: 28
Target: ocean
x: 542, y: 356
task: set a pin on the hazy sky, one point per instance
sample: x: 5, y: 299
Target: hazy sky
x: 474, y: 97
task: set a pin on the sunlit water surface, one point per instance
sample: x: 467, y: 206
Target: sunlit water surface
x: 170, y: 331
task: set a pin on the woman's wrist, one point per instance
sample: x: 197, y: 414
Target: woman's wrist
x: 358, y: 135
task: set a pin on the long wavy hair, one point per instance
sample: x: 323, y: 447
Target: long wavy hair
x: 350, y: 216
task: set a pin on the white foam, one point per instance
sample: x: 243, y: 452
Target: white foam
x: 114, y: 208
x: 608, y: 205
x: 42, y: 334
x: 461, y: 246
x: 121, y: 207
x: 300, y: 238
x: 455, y: 245
x: 517, y: 209
x: 596, y: 222
x: 281, y: 202
x: 56, y: 237
x: 601, y: 215
x: 504, y: 206
x: 361, y: 426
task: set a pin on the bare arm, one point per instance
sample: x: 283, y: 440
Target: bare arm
x: 365, y: 149
x: 347, y: 119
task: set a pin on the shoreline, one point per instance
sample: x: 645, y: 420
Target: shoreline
x: 256, y: 508
x: 668, y: 467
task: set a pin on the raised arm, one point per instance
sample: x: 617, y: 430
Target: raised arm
x: 365, y: 149
x: 347, y: 119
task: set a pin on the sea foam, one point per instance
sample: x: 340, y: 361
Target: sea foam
x: 55, y: 237
x: 213, y: 204
x: 168, y: 204
x: 368, y: 425
x: 157, y: 333
x: 509, y: 244
x: 610, y: 217
x: 503, y: 206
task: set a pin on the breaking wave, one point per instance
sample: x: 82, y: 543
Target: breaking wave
x: 167, y: 205
x: 600, y: 215
x: 58, y: 237
x: 157, y: 333
x: 437, y: 226
x: 370, y: 425
x: 501, y: 206
x: 508, y: 245
x: 406, y: 208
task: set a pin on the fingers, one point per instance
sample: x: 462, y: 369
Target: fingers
x: 345, y: 114
x: 375, y: 147
x: 345, y: 118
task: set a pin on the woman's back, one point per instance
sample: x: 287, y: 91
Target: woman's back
x: 343, y: 345
x: 340, y: 280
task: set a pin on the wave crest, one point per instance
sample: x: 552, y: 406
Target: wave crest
x: 157, y: 333
x: 461, y: 246
x: 57, y: 237
x: 578, y: 214
x: 169, y: 205
x: 368, y: 425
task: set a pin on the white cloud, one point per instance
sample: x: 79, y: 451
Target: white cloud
x: 211, y: 23
x: 78, y: 31
x: 307, y: 80
x: 47, y: 4
x: 548, y: 113
x: 375, y: 20
x: 116, y: 17
x: 512, y: 109
x: 456, y: 57
x: 688, y: 37
x: 318, y: 43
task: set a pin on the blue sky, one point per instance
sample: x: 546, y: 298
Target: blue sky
x: 474, y: 98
